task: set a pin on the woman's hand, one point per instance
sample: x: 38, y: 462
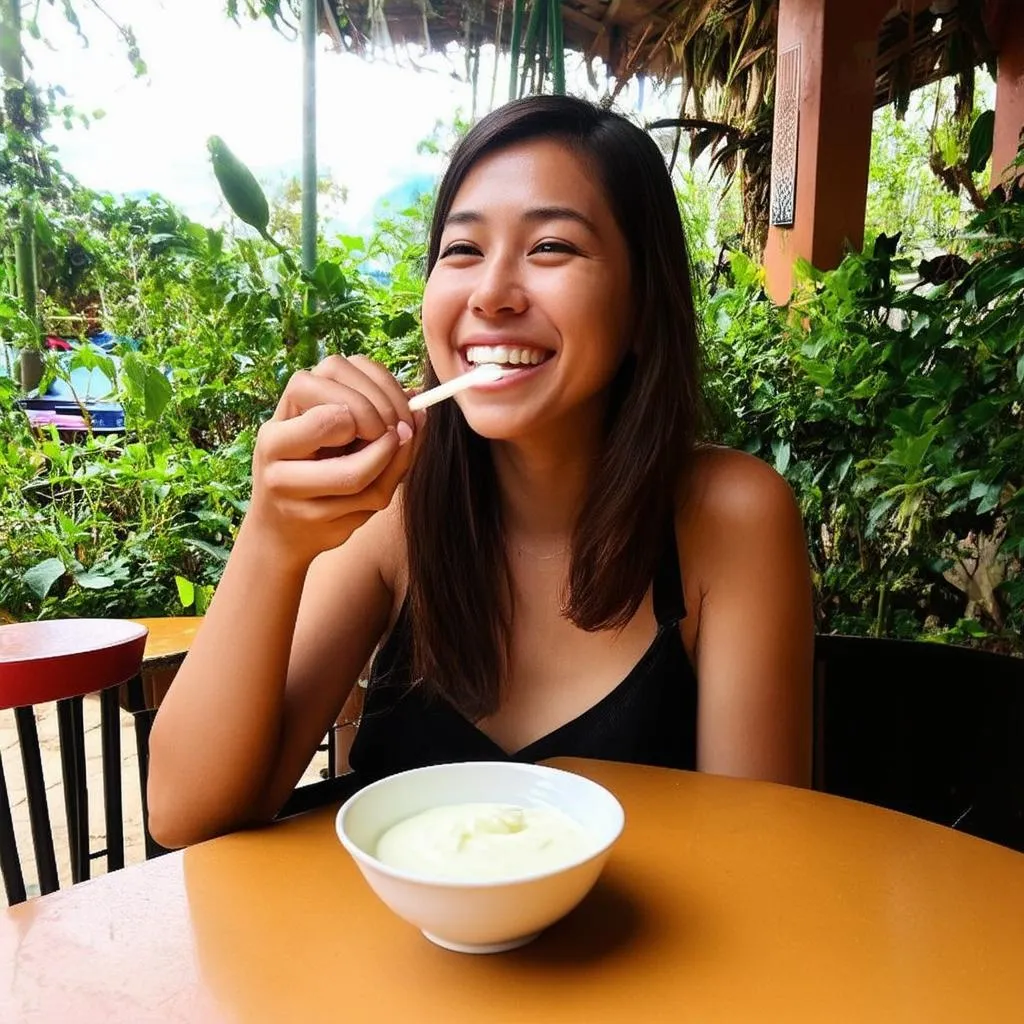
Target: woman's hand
x: 331, y: 456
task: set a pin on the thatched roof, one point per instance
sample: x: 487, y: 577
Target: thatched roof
x: 653, y: 36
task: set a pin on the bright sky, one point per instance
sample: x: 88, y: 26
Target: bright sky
x: 207, y: 76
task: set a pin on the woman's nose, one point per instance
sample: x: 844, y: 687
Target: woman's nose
x: 497, y: 290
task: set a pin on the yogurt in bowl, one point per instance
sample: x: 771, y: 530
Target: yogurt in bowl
x: 481, y: 856
x: 483, y: 842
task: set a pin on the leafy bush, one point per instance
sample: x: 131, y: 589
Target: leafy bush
x: 892, y: 402
x: 211, y: 326
x: 896, y: 411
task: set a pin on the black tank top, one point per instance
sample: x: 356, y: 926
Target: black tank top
x: 649, y: 718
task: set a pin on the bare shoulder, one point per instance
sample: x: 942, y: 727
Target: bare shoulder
x: 738, y: 528
x: 743, y: 556
x: 731, y: 492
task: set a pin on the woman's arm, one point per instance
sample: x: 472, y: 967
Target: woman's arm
x: 297, y: 613
x: 755, y: 638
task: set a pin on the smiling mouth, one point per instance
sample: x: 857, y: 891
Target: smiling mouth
x: 509, y: 357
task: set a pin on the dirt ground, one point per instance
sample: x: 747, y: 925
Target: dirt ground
x: 46, y: 723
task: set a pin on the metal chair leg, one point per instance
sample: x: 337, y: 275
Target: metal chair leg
x: 143, y: 726
x: 10, y: 865
x: 38, y: 810
x: 110, y: 735
x: 76, y: 793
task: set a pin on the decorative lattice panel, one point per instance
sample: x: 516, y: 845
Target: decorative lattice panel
x: 784, y: 138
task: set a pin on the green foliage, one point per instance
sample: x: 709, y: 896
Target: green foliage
x: 537, y: 48
x: 903, y: 189
x: 239, y: 185
x: 893, y: 405
x: 212, y: 323
x: 897, y: 414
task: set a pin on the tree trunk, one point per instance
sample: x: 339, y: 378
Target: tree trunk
x: 755, y: 188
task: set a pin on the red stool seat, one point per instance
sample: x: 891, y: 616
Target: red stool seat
x: 60, y: 658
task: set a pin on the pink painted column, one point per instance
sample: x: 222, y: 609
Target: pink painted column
x: 827, y: 51
x: 1009, y: 39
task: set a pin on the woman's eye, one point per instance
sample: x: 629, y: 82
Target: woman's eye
x: 554, y: 247
x: 460, y: 249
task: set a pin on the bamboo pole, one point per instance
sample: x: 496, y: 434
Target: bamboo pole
x: 310, y: 11
x: 12, y: 70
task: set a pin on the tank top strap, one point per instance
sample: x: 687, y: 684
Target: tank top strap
x: 667, y: 590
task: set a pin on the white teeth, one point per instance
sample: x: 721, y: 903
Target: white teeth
x: 505, y: 355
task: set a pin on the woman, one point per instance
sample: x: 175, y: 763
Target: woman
x: 565, y: 571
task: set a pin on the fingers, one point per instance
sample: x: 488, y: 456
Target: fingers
x: 383, y: 488
x: 306, y: 390
x: 339, y: 444
x: 388, y: 385
x: 371, y: 380
x: 302, y: 436
x: 363, y: 478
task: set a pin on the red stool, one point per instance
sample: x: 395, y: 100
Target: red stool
x: 62, y: 660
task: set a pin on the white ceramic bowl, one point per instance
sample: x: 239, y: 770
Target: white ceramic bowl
x: 480, y: 917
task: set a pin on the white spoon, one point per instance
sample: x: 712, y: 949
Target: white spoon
x: 485, y: 373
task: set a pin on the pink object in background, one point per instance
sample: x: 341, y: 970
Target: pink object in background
x: 65, y: 422
x: 47, y: 418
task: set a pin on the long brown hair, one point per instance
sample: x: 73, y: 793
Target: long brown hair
x: 459, y: 581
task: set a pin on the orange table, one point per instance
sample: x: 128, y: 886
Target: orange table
x: 167, y: 643
x: 725, y: 901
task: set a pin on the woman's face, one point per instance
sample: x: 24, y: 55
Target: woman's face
x: 532, y: 273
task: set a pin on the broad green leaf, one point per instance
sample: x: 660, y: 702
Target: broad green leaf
x: 204, y: 595
x: 972, y: 628
x: 329, y: 279
x: 979, y: 489
x: 821, y: 373
x: 87, y: 358
x: 1014, y: 591
x: 42, y: 576
x: 746, y: 273
x: 878, y: 511
x: 214, y: 243
x: 979, y: 147
x: 401, y: 325
x: 93, y: 581
x: 1003, y: 275
x: 980, y: 414
x: 157, y: 393
x: 781, y: 451
x: 868, y: 386
x: 991, y: 499
x: 221, y: 554
x: 186, y: 591
x: 146, y: 383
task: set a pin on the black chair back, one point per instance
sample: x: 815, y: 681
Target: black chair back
x: 925, y: 728
x: 75, y: 791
